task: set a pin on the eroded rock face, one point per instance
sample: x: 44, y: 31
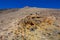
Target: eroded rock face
x: 34, y: 27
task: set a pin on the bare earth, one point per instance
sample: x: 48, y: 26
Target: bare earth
x: 9, y: 20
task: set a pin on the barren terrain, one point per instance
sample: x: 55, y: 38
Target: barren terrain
x: 10, y: 18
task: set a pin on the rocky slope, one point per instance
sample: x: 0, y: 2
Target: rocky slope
x: 13, y: 27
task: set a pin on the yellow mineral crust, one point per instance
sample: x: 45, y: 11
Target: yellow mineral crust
x: 37, y: 27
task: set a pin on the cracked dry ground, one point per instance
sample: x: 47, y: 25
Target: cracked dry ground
x: 34, y: 27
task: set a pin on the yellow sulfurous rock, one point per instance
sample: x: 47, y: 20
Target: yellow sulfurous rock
x: 37, y: 27
x: 50, y: 19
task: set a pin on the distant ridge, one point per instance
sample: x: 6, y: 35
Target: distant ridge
x: 8, y: 10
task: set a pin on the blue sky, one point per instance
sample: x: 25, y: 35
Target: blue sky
x: 31, y: 3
